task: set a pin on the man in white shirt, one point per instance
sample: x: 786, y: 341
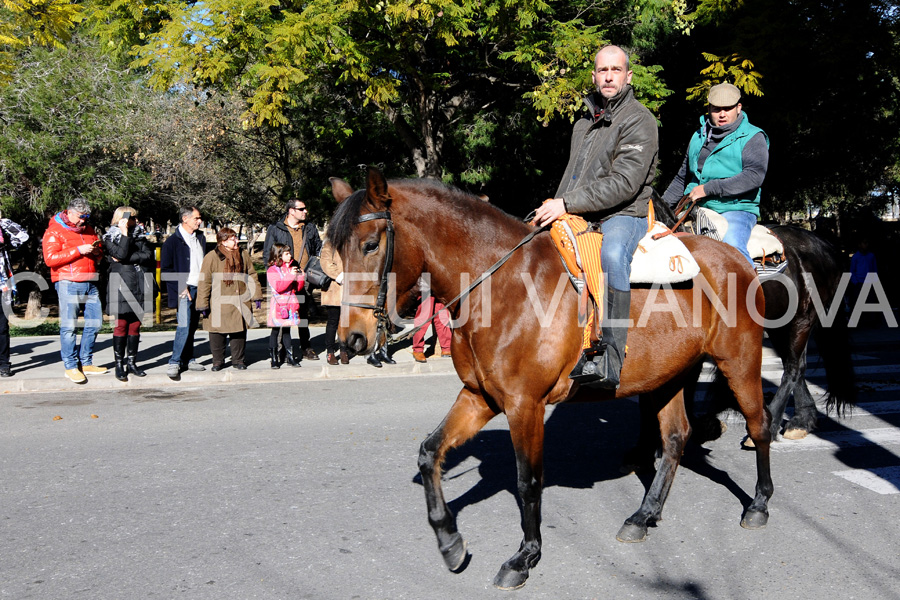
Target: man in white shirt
x: 182, y: 255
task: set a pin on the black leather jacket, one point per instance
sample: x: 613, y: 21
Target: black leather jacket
x: 612, y: 159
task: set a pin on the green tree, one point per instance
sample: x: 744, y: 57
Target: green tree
x: 425, y: 65
x: 25, y: 23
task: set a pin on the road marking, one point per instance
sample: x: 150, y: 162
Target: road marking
x: 885, y: 480
x: 882, y: 436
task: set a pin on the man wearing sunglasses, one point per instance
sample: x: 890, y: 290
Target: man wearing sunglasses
x: 301, y: 235
x: 72, y: 251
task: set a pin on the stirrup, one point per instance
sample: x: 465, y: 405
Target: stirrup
x: 593, y: 369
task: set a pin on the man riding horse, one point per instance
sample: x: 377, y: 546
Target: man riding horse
x: 612, y: 163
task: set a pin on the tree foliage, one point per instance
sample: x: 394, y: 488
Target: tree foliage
x: 423, y: 64
x: 26, y: 23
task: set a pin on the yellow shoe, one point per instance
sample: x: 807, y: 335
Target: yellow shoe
x: 76, y: 375
x: 93, y: 370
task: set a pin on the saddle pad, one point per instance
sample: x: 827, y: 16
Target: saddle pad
x: 664, y: 260
x: 762, y: 242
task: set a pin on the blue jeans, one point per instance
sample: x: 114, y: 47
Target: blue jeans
x: 740, y: 224
x: 621, y: 235
x: 188, y: 319
x: 72, y: 294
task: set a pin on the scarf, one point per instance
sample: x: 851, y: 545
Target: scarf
x: 714, y: 135
x: 233, y: 263
x: 64, y: 219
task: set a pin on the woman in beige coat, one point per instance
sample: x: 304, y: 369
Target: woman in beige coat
x: 331, y: 300
x: 228, y: 284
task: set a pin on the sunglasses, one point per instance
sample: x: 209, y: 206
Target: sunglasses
x: 85, y: 217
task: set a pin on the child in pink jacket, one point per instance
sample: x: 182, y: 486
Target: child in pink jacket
x: 285, y: 280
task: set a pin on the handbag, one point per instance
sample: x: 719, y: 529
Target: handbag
x: 315, y: 276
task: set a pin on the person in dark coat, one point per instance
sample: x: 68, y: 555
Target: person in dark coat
x: 302, y: 236
x: 12, y: 236
x: 182, y: 256
x: 131, y: 289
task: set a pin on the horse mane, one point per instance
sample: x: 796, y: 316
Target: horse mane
x: 340, y: 228
x: 468, y: 209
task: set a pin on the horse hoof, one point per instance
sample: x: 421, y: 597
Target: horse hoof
x: 748, y: 444
x: 754, y: 519
x: 455, y: 553
x: 795, y: 434
x: 630, y: 533
x: 510, y: 579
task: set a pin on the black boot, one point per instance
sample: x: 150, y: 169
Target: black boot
x: 273, y: 356
x: 119, y: 354
x: 291, y: 357
x: 383, y: 356
x: 373, y: 360
x: 601, y: 365
x: 133, y: 342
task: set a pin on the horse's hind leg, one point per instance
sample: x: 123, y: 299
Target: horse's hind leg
x: 466, y: 418
x: 675, y: 431
x: 526, y: 427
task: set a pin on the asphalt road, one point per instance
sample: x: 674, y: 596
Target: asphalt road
x: 310, y: 490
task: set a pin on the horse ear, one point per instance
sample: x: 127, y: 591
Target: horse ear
x: 377, y: 188
x: 340, y: 189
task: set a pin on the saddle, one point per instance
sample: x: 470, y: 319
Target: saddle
x: 660, y: 258
x: 764, y: 247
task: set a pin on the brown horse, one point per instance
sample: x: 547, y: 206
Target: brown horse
x: 516, y: 358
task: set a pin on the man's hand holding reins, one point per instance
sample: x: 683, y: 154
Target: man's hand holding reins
x: 549, y: 211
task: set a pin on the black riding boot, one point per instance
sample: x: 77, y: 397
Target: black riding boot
x: 273, y: 356
x: 119, y: 354
x: 601, y: 365
x: 133, y: 342
x: 291, y: 356
x: 383, y: 356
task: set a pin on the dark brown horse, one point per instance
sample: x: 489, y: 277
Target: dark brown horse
x: 519, y: 363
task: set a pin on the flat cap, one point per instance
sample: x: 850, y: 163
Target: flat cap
x: 724, y: 94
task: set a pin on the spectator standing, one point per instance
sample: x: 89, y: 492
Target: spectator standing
x: 72, y: 251
x: 302, y: 237
x: 427, y: 308
x: 861, y: 264
x: 285, y: 280
x: 12, y: 235
x: 131, y: 284
x: 228, y: 283
x: 182, y: 256
x: 333, y: 266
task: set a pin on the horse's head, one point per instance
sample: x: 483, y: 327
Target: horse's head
x: 380, y: 270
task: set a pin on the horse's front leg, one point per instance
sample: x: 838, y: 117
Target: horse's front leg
x: 675, y: 431
x: 467, y: 416
x: 526, y: 427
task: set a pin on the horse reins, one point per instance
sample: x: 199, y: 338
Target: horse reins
x: 380, y: 306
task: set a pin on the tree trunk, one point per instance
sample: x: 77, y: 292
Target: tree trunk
x: 33, y: 310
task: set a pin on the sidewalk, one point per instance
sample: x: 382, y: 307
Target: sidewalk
x: 37, y: 366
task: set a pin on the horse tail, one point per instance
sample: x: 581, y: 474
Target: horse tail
x: 835, y: 351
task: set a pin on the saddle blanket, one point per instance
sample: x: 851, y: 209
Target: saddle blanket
x: 662, y: 260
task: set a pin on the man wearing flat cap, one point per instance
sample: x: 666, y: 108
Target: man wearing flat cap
x: 725, y: 166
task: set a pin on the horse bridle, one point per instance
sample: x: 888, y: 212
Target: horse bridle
x: 380, y: 307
